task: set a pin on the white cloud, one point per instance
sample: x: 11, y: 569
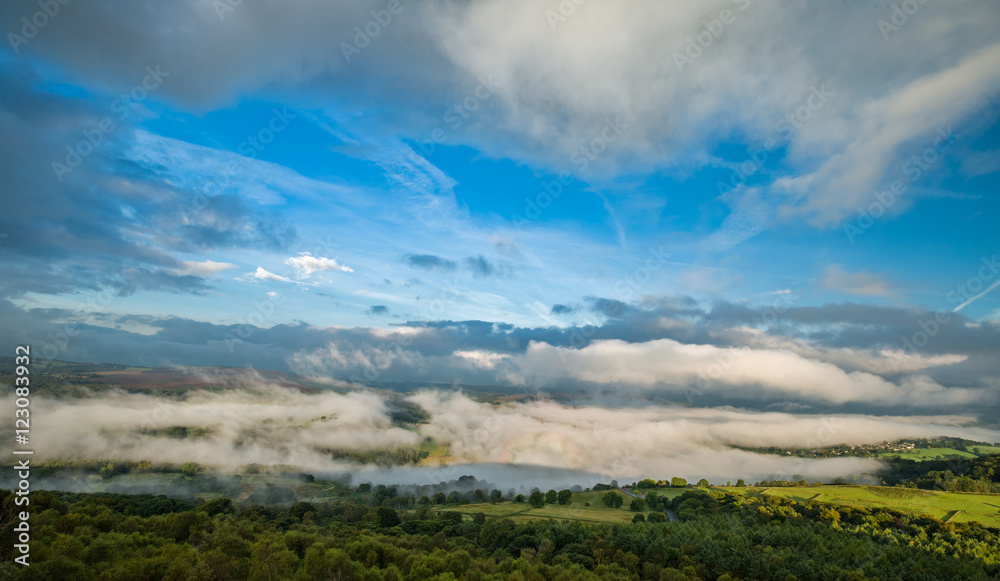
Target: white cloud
x: 667, y: 365
x: 204, y: 268
x: 306, y: 264
x: 262, y: 274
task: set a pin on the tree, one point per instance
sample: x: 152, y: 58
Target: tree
x: 537, y: 499
x: 703, y: 483
x: 651, y: 499
x: 551, y: 497
x: 656, y: 517
x: 496, y: 496
x: 519, y: 498
x: 740, y: 483
x: 479, y: 518
x: 677, y: 482
x: 637, y: 505
x: 387, y: 517
x: 639, y: 518
x: 612, y: 500
x: 565, y: 496
x: 365, y: 487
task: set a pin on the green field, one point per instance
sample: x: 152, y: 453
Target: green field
x: 576, y: 510
x: 946, y: 506
x: 935, y: 453
x: 949, y: 506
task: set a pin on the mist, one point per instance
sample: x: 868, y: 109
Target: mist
x: 530, y: 443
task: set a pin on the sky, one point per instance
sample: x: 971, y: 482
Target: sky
x: 783, y: 205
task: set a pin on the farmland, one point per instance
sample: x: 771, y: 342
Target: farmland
x: 946, y: 506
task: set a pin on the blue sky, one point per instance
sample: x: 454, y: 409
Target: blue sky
x: 491, y: 162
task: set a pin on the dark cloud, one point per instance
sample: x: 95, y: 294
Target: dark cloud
x: 429, y: 262
x: 609, y: 307
x: 562, y: 310
x: 484, y: 268
x: 175, y: 340
x: 378, y: 310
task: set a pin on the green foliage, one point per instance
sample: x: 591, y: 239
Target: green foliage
x: 612, y: 500
x: 537, y: 499
x: 678, y: 482
x: 564, y: 496
x: 721, y: 535
x: 703, y: 483
x: 551, y: 497
x: 637, y: 505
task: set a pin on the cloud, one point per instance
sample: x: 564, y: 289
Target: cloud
x: 671, y: 366
x: 429, y: 262
x: 859, y: 283
x: 840, y: 357
x: 623, y: 441
x: 558, y: 309
x: 483, y: 268
x: 262, y: 274
x: 205, y: 267
x: 306, y: 264
x: 379, y: 310
x: 611, y: 438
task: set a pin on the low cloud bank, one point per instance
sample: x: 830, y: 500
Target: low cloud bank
x: 507, y: 443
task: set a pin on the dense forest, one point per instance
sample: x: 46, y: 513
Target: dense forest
x: 363, y: 536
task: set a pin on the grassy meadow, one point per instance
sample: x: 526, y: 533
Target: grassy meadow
x: 946, y: 506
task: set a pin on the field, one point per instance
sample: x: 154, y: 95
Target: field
x: 596, y: 512
x: 948, y: 506
x: 938, y: 453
